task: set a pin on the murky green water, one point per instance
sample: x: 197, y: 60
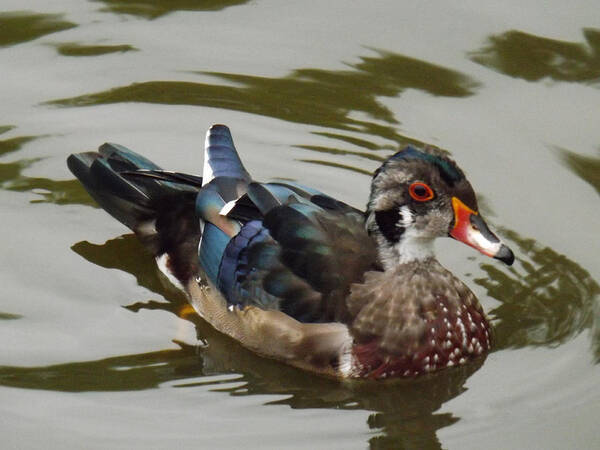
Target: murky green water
x: 98, y: 352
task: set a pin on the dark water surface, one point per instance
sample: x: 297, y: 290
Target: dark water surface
x: 97, y: 351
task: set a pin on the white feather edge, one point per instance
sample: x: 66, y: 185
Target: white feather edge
x: 162, y: 262
x: 207, y: 173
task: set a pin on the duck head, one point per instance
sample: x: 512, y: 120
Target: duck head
x: 418, y: 195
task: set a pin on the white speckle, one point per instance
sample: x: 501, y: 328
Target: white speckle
x: 406, y: 373
x: 451, y: 356
x: 345, y: 360
x: 450, y: 364
x: 433, y: 342
x: 447, y: 344
x: 474, y: 341
x: 463, y: 331
x: 470, y: 317
x: 227, y: 208
x: 470, y: 348
x: 162, y: 262
x: 230, y: 308
x: 456, y: 351
x: 445, y: 309
x: 436, y: 358
x: 427, y: 368
x: 426, y: 360
x: 462, y: 361
x: 448, y: 335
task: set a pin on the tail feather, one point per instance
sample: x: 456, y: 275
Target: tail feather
x: 157, y: 205
x: 126, y: 184
x: 220, y: 156
x: 122, y: 199
x: 120, y: 154
x: 175, y: 179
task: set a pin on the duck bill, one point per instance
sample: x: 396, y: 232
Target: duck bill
x: 471, y: 229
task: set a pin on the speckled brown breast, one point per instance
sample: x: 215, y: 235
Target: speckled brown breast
x: 416, y: 319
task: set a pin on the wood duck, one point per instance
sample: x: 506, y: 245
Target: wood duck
x: 296, y: 275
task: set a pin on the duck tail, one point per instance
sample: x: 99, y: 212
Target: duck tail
x: 153, y: 203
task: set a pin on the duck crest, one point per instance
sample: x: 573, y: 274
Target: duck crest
x: 414, y: 319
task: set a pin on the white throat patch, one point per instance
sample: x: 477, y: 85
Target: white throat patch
x: 411, y: 246
x: 414, y: 248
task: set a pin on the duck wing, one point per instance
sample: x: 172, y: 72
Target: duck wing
x: 299, y: 253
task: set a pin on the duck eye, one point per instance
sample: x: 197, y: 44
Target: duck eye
x: 420, y: 192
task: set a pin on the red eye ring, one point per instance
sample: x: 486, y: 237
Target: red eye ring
x: 420, y: 192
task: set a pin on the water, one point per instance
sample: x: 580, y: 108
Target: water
x: 98, y: 352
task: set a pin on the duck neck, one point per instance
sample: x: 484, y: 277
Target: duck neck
x: 414, y: 249
x: 409, y: 249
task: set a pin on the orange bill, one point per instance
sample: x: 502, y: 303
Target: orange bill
x: 471, y: 229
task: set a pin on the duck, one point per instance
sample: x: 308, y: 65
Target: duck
x: 296, y: 275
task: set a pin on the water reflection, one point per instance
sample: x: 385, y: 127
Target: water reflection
x: 585, y: 167
x: 547, y: 299
x: 60, y: 192
x: 402, y: 412
x: 76, y: 49
x: 414, y: 422
x: 325, y: 98
x: 531, y: 57
x: 151, y: 9
x: 23, y: 26
x: 8, y: 316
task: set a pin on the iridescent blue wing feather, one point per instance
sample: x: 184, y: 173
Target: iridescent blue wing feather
x: 299, y: 258
x: 220, y: 156
x: 278, y: 245
x: 224, y: 180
